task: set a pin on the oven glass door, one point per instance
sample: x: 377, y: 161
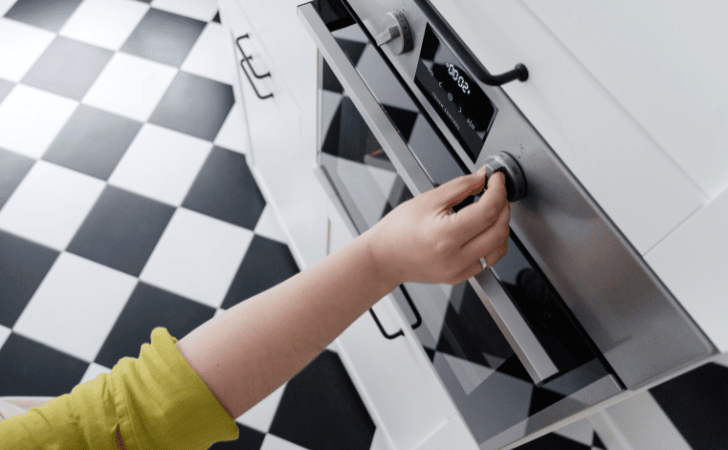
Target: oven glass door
x: 484, y: 376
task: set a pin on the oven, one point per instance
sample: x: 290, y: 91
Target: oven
x: 571, y: 316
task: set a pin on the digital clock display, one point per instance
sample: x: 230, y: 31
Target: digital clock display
x: 456, y: 97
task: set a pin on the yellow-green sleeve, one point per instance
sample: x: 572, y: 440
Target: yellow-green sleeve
x: 156, y: 400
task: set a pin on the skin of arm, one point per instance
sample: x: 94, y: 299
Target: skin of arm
x: 253, y: 348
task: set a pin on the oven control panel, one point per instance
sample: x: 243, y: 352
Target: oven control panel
x: 454, y: 94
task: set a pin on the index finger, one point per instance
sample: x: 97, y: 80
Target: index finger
x: 473, y: 219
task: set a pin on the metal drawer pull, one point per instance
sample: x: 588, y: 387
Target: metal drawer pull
x: 333, y: 195
x: 511, y: 323
x: 247, y: 59
x: 418, y: 318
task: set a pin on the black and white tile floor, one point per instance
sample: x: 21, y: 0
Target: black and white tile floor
x: 126, y: 203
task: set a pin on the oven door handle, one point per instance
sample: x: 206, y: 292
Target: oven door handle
x: 511, y: 323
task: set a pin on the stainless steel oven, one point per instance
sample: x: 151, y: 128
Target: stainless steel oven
x: 572, y: 315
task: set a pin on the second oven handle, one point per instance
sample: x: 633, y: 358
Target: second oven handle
x: 511, y: 323
x: 328, y: 186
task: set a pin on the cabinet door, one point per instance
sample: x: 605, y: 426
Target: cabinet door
x: 394, y: 378
x: 275, y: 139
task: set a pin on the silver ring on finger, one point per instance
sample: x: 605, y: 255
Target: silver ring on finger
x: 483, y: 263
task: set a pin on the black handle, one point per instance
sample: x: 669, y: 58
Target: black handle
x: 247, y: 59
x: 520, y: 72
x: 418, y: 318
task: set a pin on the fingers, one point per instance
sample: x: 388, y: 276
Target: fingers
x: 473, y: 219
x: 455, y: 191
x: 491, y: 243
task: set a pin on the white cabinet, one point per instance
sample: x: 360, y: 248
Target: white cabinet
x: 621, y: 166
x: 397, y: 383
x: 279, y: 114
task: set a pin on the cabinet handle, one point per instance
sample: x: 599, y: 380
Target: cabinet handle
x: 247, y: 59
x: 418, y: 317
x: 520, y: 72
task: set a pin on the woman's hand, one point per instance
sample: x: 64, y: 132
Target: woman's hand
x: 420, y: 241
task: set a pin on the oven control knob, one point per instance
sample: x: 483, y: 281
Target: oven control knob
x: 396, y: 30
x: 515, y: 179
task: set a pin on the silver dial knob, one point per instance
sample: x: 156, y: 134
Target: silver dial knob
x: 396, y: 30
x: 515, y: 179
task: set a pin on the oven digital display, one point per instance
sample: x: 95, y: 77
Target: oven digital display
x: 456, y: 97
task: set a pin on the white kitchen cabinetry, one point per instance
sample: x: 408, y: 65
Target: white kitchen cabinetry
x: 402, y: 393
x: 281, y: 128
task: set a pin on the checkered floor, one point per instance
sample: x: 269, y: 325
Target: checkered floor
x: 126, y: 203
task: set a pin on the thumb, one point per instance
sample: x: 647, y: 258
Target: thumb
x: 455, y: 191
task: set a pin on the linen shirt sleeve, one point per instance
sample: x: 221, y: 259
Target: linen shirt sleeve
x: 157, y: 401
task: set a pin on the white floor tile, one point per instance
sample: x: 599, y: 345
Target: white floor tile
x: 31, y: 118
x: 204, y: 10
x: 161, y: 163
x: 50, y: 204
x: 93, y: 371
x: 106, y: 23
x: 76, y: 306
x: 212, y: 56
x: 130, y: 86
x: 269, y: 226
x: 20, y: 46
x: 197, y: 257
x: 234, y: 132
x: 5, y: 5
x: 271, y: 442
x: 260, y: 416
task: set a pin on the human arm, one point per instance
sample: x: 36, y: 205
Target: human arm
x: 256, y: 346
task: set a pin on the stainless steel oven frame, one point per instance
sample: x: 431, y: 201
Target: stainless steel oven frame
x: 640, y: 329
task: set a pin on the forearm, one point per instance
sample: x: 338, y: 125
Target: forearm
x: 256, y: 346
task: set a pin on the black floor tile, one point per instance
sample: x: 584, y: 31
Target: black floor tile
x: 194, y: 105
x: 13, y: 168
x: 249, y: 439
x: 217, y: 17
x: 121, y: 230
x: 68, y: 67
x: 23, y: 265
x: 5, y: 88
x: 30, y: 368
x: 553, y: 442
x: 164, y: 37
x: 321, y: 410
x: 147, y: 308
x: 266, y: 263
x: 225, y: 189
x: 697, y: 404
x: 93, y: 141
x: 51, y: 15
